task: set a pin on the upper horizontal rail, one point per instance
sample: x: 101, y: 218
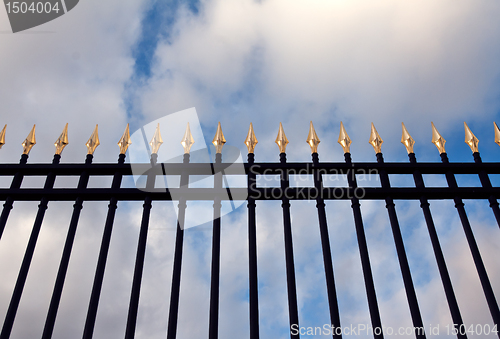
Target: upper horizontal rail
x: 256, y: 168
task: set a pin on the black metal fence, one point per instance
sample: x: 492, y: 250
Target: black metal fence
x: 253, y: 194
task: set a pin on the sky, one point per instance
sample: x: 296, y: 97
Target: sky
x: 235, y: 62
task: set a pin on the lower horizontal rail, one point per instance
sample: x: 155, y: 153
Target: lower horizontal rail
x: 260, y: 193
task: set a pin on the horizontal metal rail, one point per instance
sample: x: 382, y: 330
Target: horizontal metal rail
x: 259, y: 193
x: 293, y: 168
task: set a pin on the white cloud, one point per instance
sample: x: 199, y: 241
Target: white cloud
x: 72, y: 69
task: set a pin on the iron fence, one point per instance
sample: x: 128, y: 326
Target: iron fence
x: 253, y: 194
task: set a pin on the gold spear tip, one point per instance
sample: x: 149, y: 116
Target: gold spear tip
x: 375, y: 140
x: 312, y: 139
x: 2, y: 136
x: 29, y: 142
x: 251, y: 140
x: 470, y: 139
x: 344, y: 139
x: 124, y: 141
x: 497, y: 133
x: 62, y: 141
x: 407, y: 140
x: 187, y: 141
x: 156, y: 142
x: 281, y: 139
x: 93, y: 141
x: 437, y: 139
x: 219, y: 139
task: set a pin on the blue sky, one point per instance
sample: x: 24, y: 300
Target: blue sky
x: 240, y: 61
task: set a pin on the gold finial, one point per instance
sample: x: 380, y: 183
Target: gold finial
x: 344, y: 139
x: 251, y: 140
x: 2, y: 136
x: 281, y: 139
x: 29, y: 142
x: 156, y: 142
x: 124, y: 142
x: 497, y: 133
x: 407, y: 140
x: 470, y: 139
x: 187, y: 141
x: 62, y: 141
x: 437, y: 139
x: 219, y: 139
x: 93, y: 142
x: 312, y: 139
x: 375, y: 140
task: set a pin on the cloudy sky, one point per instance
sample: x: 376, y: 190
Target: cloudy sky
x: 239, y: 61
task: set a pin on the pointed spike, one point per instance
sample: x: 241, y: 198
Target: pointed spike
x: 124, y: 141
x: 251, y: 140
x: 156, y: 142
x: 470, y: 139
x: 93, y: 141
x: 497, y: 134
x: 2, y: 136
x: 312, y: 139
x: 187, y: 141
x: 437, y: 139
x: 281, y: 139
x: 29, y: 142
x: 375, y: 140
x: 407, y: 140
x: 344, y: 139
x: 62, y: 141
x: 219, y: 139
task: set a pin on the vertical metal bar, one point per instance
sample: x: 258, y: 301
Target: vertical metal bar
x: 88, y: 330
x: 486, y: 183
x: 403, y: 260
x: 443, y: 270
x: 139, y: 259
x: 476, y: 256
x: 28, y: 256
x: 176, y: 275
x: 365, y: 259
x: 327, y: 254
x: 290, y: 266
x: 252, y: 254
x: 213, y: 327
x: 63, y: 266
x: 9, y: 202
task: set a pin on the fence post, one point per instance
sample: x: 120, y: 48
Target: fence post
x: 476, y: 256
x: 327, y: 253
x: 63, y: 265
x: 438, y: 253
x: 176, y: 275
x: 28, y: 255
x: 400, y: 249
x: 88, y: 330
x: 252, y: 253
x: 9, y: 202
